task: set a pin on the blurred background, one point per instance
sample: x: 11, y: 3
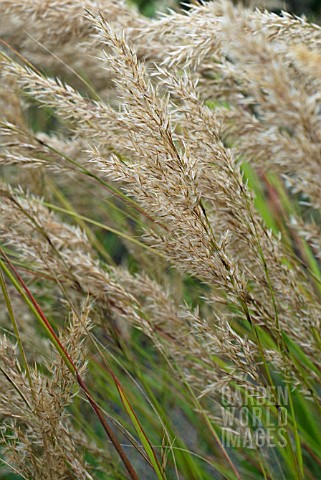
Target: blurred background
x: 310, y: 8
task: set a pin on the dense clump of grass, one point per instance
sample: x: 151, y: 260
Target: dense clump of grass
x: 160, y: 243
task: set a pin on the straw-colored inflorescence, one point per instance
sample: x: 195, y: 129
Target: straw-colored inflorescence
x: 36, y: 434
x: 171, y: 124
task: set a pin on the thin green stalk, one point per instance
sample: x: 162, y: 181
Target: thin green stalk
x: 25, y: 293
x: 15, y: 328
x: 69, y: 208
x: 138, y: 427
x: 45, y: 324
x: 104, y: 227
x: 296, y: 434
